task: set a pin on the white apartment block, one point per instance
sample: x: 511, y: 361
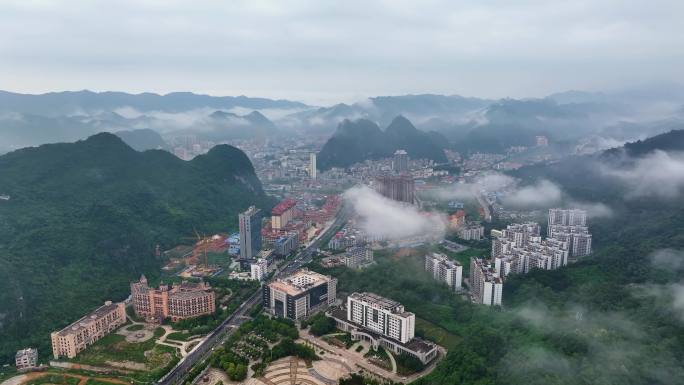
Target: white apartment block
x: 383, y: 323
x: 471, y: 231
x: 570, y: 225
x: 445, y: 270
x: 259, y: 269
x: 486, y: 287
x: 381, y: 315
x: 578, y: 237
x: 567, y: 217
x: 514, y: 235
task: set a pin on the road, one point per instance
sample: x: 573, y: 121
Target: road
x: 202, y: 351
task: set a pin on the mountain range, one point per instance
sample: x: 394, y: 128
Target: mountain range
x: 362, y: 139
x: 87, y: 102
x: 590, y: 120
x: 84, y: 219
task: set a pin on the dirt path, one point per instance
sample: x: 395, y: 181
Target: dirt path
x: 24, y: 378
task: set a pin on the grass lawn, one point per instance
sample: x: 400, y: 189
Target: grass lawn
x: 218, y: 259
x: 114, y: 347
x: 436, y: 333
x: 94, y: 381
x: 464, y: 257
x: 135, y: 327
x: 57, y: 379
x: 178, y: 336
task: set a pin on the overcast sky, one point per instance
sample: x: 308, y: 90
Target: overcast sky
x: 328, y: 51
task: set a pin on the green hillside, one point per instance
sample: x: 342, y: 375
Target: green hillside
x: 356, y: 141
x: 84, y: 218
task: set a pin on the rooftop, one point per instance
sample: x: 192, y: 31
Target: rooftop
x: 98, y: 313
x: 283, y: 206
x: 26, y: 352
x: 299, y: 282
x: 380, y: 302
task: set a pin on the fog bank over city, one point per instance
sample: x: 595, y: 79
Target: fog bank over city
x: 386, y: 218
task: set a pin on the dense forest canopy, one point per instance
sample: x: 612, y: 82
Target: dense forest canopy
x: 84, y: 218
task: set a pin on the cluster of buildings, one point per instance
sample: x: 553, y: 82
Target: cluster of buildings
x: 77, y: 336
x: 570, y: 226
x: 471, y: 231
x: 291, y: 222
x: 444, y: 270
x: 520, y: 247
x: 178, y: 301
x: 187, y: 147
x: 356, y: 257
x: 466, y: 230
x: 351, y: 235
x: 366, y: 316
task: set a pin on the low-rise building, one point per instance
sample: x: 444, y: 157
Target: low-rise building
x: 26, y: 359
x: 382, y: 322
x: 486, y: 287
x: 74, y: 338
x: 300, y: 294
x: 445, y: 270
x: 179, y: 301
x: 284, y: 245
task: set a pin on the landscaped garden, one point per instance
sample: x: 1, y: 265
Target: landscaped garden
x: 257, y: 343
x: 144, y: 361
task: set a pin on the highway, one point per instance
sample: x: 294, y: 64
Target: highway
x: 203, y: 350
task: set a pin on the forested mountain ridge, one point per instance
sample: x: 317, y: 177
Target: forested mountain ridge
x: 356, y: 141
x: 143, y: 139
x: 69, y: 102
x: 615, y: 316
x: 84, y: 218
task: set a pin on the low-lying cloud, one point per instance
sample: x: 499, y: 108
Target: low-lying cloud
x: 540, y: 194
x: 584, y: 341
x: 382, y: 217
x: 659, y: 174
x: 668, y: 259
x: 593, y: 209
